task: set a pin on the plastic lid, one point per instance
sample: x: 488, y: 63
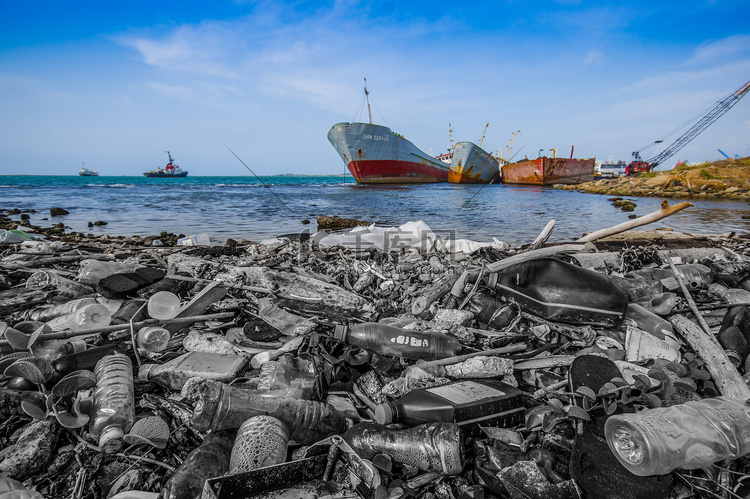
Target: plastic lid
x: 384, y: 413
x: 144, y: 371
x: 110, y: 441
x: 341, y: 332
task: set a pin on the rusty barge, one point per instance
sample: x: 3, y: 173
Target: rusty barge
x: 549, y: 171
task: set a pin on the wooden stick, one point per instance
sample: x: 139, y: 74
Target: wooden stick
x: 519, y: 347
x: 689, y: 298
x: 665, y: 211
x: 725, y: 375
x: 42, y: 262
x: 543, y: 236
x: 531, y: 255
x: 440, y: 288
x: 545, y: 362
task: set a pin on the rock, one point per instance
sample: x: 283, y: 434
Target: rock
x: 33, y: 450
x: 58, y: 212
x: 335, y: 223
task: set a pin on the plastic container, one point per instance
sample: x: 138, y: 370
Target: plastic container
x: 163, y: 305
x: 222, y: 407
x: 153, y: 338
x: 652, y: 323
x: 209, y: 460
x: 261, y: 441
x: 90, y: 316
x: 486, y: 402
x: 87, y: 359
x: 174, y: 373
x: 690, y: 436
x: 434, y: 447
x: 114, y: 406
x: 92, y: 271
x: 389, y: 340
x: 491, y: 311
x: 48, y: 313
x: 66, y: 288
x: 54, y: 349
x: 660, y: 304
x: 560, y: 291
x: 733, y: 296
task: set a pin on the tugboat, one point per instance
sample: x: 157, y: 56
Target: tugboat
x: 85, y: 172
x: 170, y: 170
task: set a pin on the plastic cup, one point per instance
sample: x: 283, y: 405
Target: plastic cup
x: 163, y: 305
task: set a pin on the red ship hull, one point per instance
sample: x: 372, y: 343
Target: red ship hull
x: 386, y: 171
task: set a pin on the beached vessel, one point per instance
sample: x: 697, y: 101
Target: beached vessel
x: 376, y: 155
x: 610, y: 169
x: 85, y: 172
x: 171, y: 170
x: 549, y: 171
x: 473, y: 165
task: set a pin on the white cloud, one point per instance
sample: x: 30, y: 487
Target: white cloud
x: 595, y: 57
x: 720, y: 51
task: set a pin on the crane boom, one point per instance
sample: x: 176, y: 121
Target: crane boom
x: 714, y: 114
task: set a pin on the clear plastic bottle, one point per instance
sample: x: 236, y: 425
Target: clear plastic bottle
x: 92, y: 271
x: 66, y: 288
x: 484, y: 401
x: 114, y: 405
x: 434, y: 447
x: 651, y: 323
x: 153, y: 338
x: 163, y: 305
x: 690, y: 436
x: 278, y: 379
x: 87, y: 317
x: 223, y: 407
x: 733, y: 296
x: 174, y: 373
x: 54, y: 349
x: 48, y: 313
x: 389, y: 340
x: 209, y: 460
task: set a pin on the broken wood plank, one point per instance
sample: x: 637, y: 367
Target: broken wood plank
x: 664, y: 212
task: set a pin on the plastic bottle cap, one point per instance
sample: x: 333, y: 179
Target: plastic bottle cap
x: 110, y: 441
x: 144, y: 371
x: 384, y: 414
x: 340, y: 332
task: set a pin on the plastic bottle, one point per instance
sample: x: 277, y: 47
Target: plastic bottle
x: 222, y: 407
x: 491, y: 311
x: 652, y: 323
x: 92, y: 271
x: 484, y: 401
x: 66, y: 288
x: 209, y: 460
x: 87, y: 317
x: 174, y: 373
x: 660, y: 304
x: 389, y: 340
x: 561, y: 291
x: 733, y: 296
x: 153, y: 338
x: 48, y: 313
x: 278, y: 379
x: 690, y: 435
x: 734, y: 334
x: 114, y: 406
x: 54, y: 349
x: 434, y: 447
x: 694, y: 275
x: 87, y: 359
x: 261, y: 441
x: 163, y: 305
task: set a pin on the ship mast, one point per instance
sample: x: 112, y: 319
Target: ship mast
x: 367, y: 96
x: 450, y: 131
x: 484, y: 133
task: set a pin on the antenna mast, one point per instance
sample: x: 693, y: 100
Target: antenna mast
x: 367, y: 96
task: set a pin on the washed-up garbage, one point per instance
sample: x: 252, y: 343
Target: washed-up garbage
x: 376, y: 363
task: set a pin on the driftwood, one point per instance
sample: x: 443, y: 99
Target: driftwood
x: 725, y: 375
x: 531, y: 255
x: 543, y: 236
x: 545, y: 362
x: 689, y: 298
x: 665, y: 211
x: 460, y: 358
x: 439, y: 289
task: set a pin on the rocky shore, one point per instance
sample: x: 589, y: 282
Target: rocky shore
x: 728, y: 179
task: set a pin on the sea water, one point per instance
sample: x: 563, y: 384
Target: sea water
x: 244, y: 207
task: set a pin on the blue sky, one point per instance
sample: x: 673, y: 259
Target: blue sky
x: 115, y: 84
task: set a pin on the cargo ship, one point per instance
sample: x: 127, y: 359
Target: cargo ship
x: 471, y: 164
x: 549, y: 171
x: 376, y: 155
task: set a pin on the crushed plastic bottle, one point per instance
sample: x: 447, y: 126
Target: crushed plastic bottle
x: 690, y: 436
x: 261, y: 441
x: 66, y: 288
x: 87, y: 317
x: 733, y: 296
x: 92, y: 271
x: 214, y: 366
x: 114, y: 406
x: 209, y: 460
x: 389, y: 340
x: 49, y: 312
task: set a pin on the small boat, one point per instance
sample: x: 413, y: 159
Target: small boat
x: 473, y: 165
x: 171, y: 170
x: 85, y: 172
x: 549, y: 171
x: 376, y: 155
